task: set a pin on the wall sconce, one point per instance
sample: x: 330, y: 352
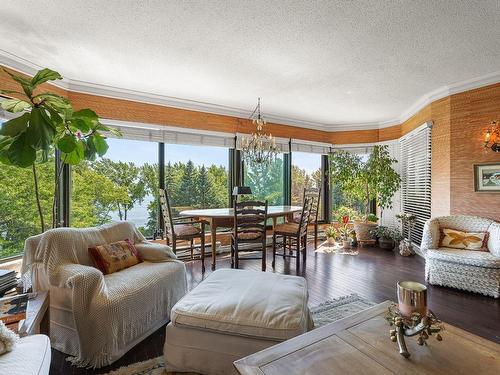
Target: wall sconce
x: 492, y: 137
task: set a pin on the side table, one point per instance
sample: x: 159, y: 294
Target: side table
x: 37, y: 315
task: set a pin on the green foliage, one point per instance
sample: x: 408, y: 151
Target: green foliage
x: 359, y: 180
x: 18, y: 214
x: 303, y: 180
x: 372, y: 218
x: 331, y: 232
x: 127, y: 176
x: 266, y: 181
x: 345, y: 211
x: 47, y: 123
x: 386, y: 232
x: 95, y: 196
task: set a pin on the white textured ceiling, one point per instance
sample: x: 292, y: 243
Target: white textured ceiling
x: 330, y: 63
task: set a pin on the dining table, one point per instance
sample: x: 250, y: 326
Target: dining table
x: 224, y: 217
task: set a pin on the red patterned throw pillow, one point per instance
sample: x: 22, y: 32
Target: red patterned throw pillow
x: 115, y: 256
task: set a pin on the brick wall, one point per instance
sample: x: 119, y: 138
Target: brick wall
x: 471, y: 113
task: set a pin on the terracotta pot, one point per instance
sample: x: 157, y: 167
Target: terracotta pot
x: 330, y: 240
x: 363, y: 228
x: 386, y: 243
x: 346, y: 244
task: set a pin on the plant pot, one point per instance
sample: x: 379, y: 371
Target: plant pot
x: 346, y: 244
x: 330, y: 240
x: 363, y: 228
x: 386, y: 243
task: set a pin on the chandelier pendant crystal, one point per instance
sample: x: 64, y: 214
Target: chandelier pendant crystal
x: 259, y: 148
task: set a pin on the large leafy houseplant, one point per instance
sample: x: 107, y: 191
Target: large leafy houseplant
x: 47, y: 122
x: 374, y: 178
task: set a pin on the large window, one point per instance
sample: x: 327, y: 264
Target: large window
x: 266, y: 180
x: 306, y: 174
x: 19, y: 216
x: 122, y: 186
x: 196, y: 176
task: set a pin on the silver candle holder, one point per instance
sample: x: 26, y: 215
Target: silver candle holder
x: 411, y: 317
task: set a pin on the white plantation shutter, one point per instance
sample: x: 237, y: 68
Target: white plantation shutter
x: 416, y: 177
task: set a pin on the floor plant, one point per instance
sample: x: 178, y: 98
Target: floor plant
x: 44, y: 122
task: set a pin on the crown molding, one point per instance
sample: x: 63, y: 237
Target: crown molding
x: 27, y: 67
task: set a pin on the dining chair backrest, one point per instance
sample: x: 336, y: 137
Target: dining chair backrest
x: 305, y: 215
x: 250, y: 219
x: 314, y: 194
x: 166, y: 212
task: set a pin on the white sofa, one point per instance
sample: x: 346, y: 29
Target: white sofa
x: 474, y: 271
x: 31, y: 356
x: 97, y: 318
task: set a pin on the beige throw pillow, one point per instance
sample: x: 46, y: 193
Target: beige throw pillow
x: 463, y: 240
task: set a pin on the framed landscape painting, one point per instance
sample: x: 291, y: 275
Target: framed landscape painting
x: 487, y: 177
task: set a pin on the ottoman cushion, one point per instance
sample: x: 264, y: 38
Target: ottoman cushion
x: 246, y: 303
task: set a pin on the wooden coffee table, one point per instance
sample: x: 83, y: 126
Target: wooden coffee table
x: 360, y: 344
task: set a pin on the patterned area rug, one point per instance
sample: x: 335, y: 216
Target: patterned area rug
x: 326, y: 248
x: 325, y: 313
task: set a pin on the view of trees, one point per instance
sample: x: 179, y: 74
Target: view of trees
x: 18, y: 213
x: 266, y: 181
x: 302, y: 180
x: 106, y: 190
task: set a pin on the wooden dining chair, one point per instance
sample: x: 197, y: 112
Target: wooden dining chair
x: 294, y: 236
x: 182, y: 229
x: 250, y: 219
x: 314, y: 195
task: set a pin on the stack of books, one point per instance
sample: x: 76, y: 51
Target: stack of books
x: 13, y: 312
x: 7, y: 281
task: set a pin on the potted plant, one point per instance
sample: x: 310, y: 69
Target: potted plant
x: 331, y: 234
x: 345, y: 232
x: 387, y: 237
x: 47, y: 122
x: 374, y: 178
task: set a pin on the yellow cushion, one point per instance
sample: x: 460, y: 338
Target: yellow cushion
x: 463, y: 240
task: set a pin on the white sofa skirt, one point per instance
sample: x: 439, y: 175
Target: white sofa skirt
x: 187, y: 350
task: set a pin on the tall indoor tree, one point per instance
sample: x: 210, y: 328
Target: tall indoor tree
x: 374, y: 178
x: 47, y: 122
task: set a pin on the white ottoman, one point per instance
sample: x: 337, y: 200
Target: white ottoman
x: 231, y: 314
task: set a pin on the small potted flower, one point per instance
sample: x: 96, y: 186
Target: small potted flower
x: 331, y: 234
x: 345, y: 232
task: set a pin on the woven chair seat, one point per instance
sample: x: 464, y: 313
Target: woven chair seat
x: 287, y: 228
x: 249, y: 236
x: 185, y: 230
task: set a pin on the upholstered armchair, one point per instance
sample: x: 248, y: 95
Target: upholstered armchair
x: 96, y: 318
x: 471, y: 270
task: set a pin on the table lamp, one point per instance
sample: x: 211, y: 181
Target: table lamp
x: 241, y: 190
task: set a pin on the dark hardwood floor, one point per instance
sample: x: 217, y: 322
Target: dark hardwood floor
x: 372, y: 274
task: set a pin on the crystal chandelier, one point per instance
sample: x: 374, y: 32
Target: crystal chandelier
x: 259, y: 148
